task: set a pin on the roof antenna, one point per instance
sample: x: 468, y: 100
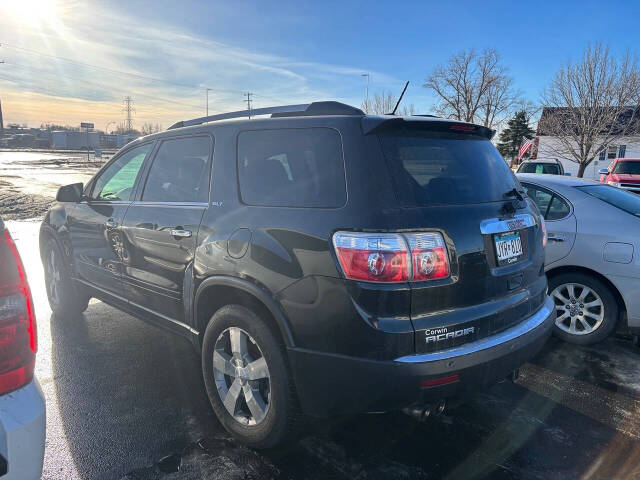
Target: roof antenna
x: 400, y: 99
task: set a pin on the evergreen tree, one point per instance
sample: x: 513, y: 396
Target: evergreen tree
x: 511, y: 137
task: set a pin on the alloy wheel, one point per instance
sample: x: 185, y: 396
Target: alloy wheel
x: 54, y: 277
x: 242, y: 377
x: 579, y: 308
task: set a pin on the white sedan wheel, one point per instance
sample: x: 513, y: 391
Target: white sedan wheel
x: 580, y: 309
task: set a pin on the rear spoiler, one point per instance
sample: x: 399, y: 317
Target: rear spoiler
x: 378, y: 123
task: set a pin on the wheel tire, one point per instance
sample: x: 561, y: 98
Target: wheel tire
x: 282, y: 415
x: 608, y: 301
x: 64, y: 297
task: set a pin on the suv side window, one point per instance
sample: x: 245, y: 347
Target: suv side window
x: 292, y: 167
x: 180, y: 171
x: 551, y: 206
x: 116, y: 182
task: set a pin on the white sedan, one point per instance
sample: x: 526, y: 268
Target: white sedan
x: 592, y: 255
x: 22, y: 406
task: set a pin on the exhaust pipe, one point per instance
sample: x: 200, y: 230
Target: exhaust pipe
x: 423, y: 412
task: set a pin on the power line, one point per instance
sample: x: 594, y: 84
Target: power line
x: 127, y: 108
x: 103, y: 86
x: 274, y: 99
x: 131, y: 74
x: 111, y: 70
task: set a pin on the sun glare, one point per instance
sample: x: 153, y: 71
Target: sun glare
x: 34, y: 13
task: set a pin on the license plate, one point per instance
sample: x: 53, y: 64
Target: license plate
x: 508, y: 247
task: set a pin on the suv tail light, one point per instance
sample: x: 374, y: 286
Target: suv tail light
x: 392, y: 257
x: 429, y: 256
x: 544, y: 232
x: 18, y: 336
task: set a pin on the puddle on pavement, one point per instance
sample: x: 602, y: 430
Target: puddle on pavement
x: 217, y: 457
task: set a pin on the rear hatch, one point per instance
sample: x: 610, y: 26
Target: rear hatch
x: 448, y: 177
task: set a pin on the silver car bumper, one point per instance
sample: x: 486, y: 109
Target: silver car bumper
x: 22, y: 432
x: 629, y: 288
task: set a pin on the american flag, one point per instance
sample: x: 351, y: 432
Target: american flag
x: 524, y: 148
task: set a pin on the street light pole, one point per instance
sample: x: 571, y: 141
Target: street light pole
x: 207, y: 90
x: 367, y: 95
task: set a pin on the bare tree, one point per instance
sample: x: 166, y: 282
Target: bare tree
x: 474, y: 87
x: 591, y: 104
x: 383, y: 103
x: 149, y: 128
x: 122, y: 129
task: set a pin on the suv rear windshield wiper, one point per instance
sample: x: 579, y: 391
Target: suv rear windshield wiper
x: 514, y: 192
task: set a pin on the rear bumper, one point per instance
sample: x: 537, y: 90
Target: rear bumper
x: 330, y: 384
x: 22, y: 432
x: 629, y: 288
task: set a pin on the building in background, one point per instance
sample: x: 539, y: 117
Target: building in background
x: 548, y: 147
x: 70, y: 140
x: 16, y: 136
x: 116, y: 140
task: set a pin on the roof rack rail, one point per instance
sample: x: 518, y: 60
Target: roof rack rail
x: 315, y: 108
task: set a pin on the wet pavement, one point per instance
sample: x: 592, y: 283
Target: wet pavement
x: 126, y: 401
x: 30, y: 180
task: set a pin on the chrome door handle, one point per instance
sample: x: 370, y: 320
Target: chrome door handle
x: 176, y: 232
x: 555, y: 238
x: 111, y: 223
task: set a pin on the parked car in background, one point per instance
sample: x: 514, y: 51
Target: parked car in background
x: 623, y: 173
x: 22, y: 406
x: 424, y: 282
x: 537, y: 166
x: 592, y: 255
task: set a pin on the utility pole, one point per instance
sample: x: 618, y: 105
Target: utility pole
x: 366, y: 102
x: 129, y: 110
x: 208, y: 90
x: 248, y: 100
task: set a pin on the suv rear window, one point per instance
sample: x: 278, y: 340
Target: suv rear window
x: 292, y: 167
x: 438, y: 168
x: 532, y: 167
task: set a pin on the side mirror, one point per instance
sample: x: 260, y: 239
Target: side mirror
x: 603, y: 171
x: 70, y: 193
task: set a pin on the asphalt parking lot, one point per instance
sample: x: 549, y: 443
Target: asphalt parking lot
x: 125, y: 400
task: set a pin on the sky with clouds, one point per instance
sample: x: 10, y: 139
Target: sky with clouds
x: 68, y: 61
